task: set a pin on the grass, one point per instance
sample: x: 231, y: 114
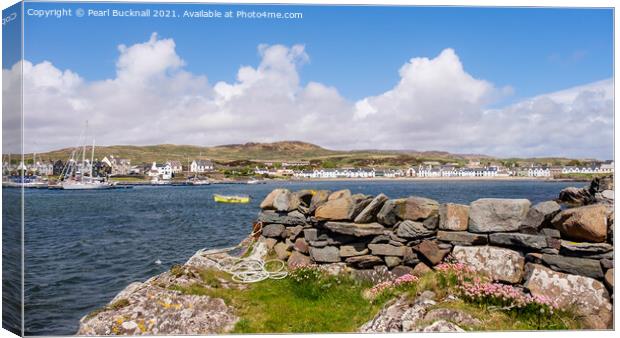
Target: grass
x: 308, y: 301
x: 322, y: 304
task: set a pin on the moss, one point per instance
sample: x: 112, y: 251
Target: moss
x: 177, y: 270
x: 119, y: 304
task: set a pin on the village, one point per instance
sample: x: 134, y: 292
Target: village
x: 122, y: 168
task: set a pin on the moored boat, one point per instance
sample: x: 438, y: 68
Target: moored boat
x: 231, y: 198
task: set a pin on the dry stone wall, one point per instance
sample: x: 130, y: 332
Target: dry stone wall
x: 551, y: 248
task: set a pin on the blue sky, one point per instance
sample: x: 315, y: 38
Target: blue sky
x: 356, y: 49
x: 496, y: 81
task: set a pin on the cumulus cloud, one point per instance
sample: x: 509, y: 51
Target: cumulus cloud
x: 436, y: 105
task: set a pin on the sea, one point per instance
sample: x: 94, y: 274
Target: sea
x: 83, y: 247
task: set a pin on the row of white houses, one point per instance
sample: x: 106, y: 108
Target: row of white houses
x: 441, y: 171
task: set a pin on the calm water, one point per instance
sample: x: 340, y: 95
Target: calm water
x: 83, y: 247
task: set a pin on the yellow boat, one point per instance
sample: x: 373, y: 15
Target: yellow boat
x: 231, y: 199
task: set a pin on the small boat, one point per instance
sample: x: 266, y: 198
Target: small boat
x: 255, y: 181
x: 231, y: 198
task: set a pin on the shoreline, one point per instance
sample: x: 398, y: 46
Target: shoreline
x: 421, y: 179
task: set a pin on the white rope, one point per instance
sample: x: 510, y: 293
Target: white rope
x: 248, y: 270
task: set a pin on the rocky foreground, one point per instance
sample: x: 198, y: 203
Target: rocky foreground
x: 559, y: 249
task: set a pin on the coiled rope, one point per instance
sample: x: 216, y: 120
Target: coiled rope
x: 249, y: 269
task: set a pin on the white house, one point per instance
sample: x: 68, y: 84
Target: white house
x: 163, y: 171
x: 176, y: 166
x: 538, y: 172
x: 201, y: 166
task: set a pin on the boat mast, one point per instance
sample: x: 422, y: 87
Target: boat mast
x: 92, y: 160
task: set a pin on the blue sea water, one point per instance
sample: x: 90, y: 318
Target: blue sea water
x: 83, y: 247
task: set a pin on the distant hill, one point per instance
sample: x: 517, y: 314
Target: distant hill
x: 281, y: 151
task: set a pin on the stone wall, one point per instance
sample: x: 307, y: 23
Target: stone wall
x: 549, y: 248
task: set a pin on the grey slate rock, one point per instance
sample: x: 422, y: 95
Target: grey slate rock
x: 462, y: 237
x: 386, y: 250
x: 540, y: 215
x: 586, y: 249
x: 328, y: 254
x: 364, y: 262
x: 497, y: 214
x: 412, y: 229
x: 273, y: 230
x: 367, y: 215
x: 269, y: 216
x: 553, y: 233
x: 310, y: 234
x: 355, y: 229
x: 573, y: 265
x: 532, y: 242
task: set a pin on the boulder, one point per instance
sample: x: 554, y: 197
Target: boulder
x: 410, y: 258
x: 575, y: 196
x: 462, y: 237
x: 497, y: 214
x: 586, y: 249
x: 367, y: 215
x: 270, y: 242
x: 281, y: 250
x: 318, y: 198
x: 311, y: 234
x: 540, y: 216
x: 294, y: 232
x: 392, y: 261
x: 270, y: 216
x: 355, y: 249
x: 412, y: 208
x: 301, y: 245
x: 401, y: 270
x: 281, y: 200
x: 413, y: 229
x: 345, y: 193
x: 364, y: 262
x: 499, y: 264
x: 421, y: 269
x: 585, y: 295
x: 587, y: 223
x: 328, y: 254
x: 453, y: 315
x: 418, y: 208
x: 607, y: 263
x: 341, y: 209
x: 573, y: 265
x: 442, y: 326
x: 144, y: 314
x: 273, y: 230
x: 388, y: 214
x: 387, y: 250
x: 267, y: 203
x: 529, y: 242
x: 355, y: 229
x: 431, y: 251
x: 297, y: 259
x: 453, y: 217
x: 609, y: 279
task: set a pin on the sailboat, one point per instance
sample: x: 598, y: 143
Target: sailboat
x: 74, y: 177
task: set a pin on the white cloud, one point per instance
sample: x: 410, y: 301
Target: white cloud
x: 436, y: 105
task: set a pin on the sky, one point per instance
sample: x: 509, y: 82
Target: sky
x: 498, y: 81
